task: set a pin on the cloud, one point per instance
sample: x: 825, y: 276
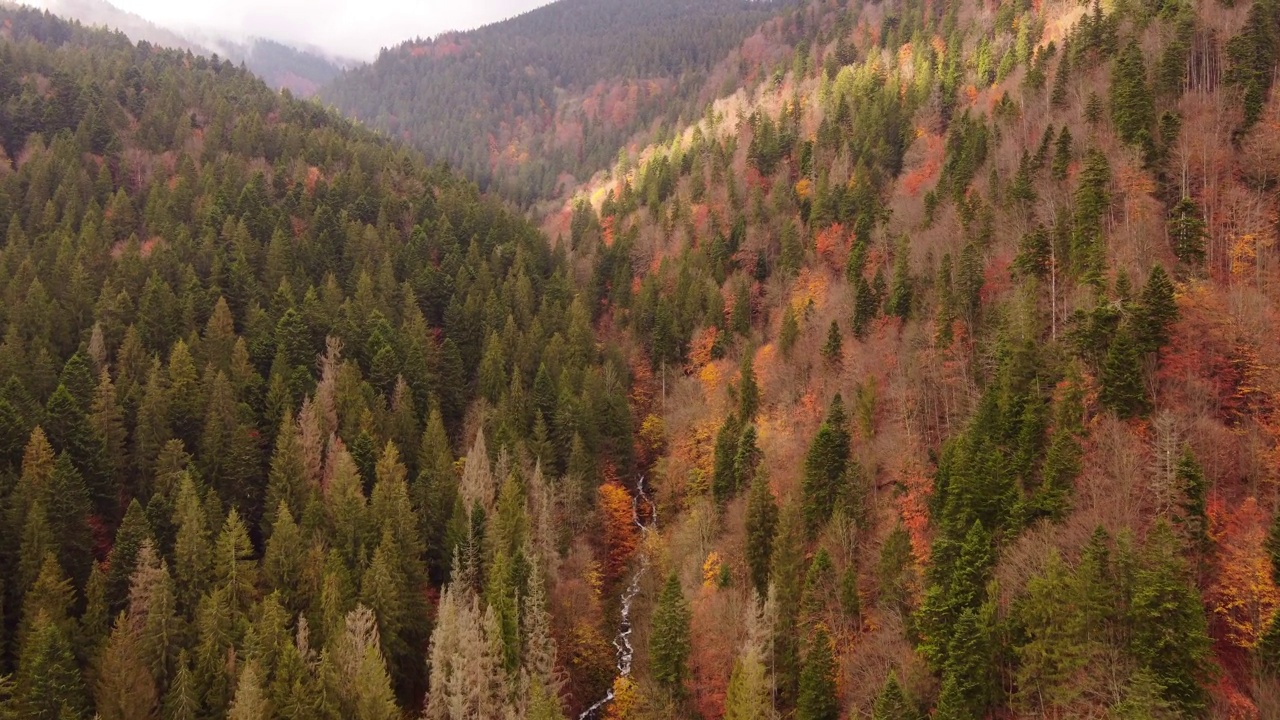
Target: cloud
x: 349, y: 28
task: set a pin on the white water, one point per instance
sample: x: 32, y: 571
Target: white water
x: 622, y: 641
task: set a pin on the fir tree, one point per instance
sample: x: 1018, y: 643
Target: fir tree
x: 825, y: 466
x: 1169, y: 634
x: 1132, y: 109
x: 1123, y: 389
x: 892, y: 703
x: 833, y: 349
x: 819, y: 698
x: 761, y: 524
x: 669, y: 641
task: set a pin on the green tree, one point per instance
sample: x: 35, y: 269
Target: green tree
x: 1123, y: 389
x: 892, y: 702
x: 761, y: 524
x: 1156, y: 312
x: 789, y: 331
x: 819, y: 697
x: 48, y: 685
x: 833, y: 349
x: 1132, y: 107
x: 824, y: 467
x: 1169, y: 636
x: 669, y: 641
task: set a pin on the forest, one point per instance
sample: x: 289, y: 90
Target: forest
x: 517, y: 105
x: 911, y: 360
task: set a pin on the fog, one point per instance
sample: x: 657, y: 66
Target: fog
x: 354, y: 29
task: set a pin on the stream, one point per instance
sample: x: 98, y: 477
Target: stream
x: 622, y: 641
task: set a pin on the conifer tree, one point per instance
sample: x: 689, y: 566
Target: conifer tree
x: 669, y: 641
x: 1169, y: 634
x: 724, y: 479
x: 1123, y: 390
x: 1132, y: 108
x: 786, y: 580
x: 1062, y: 151
x: 1156, y: 312
x: 125, y: 688
x: 892, y: 702
x: 48, y: 685
x: 819, y: 698
x: 761, y: 524
x: 789, y: 331
x: 133, y: 533
x: 825, y: 466
x: 833, y: 349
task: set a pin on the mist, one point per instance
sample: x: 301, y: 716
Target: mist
x: 344, y: 28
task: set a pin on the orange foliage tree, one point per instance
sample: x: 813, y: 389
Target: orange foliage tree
x: 831, y: 246
x: 1243, y: 596
x: 618, y: 536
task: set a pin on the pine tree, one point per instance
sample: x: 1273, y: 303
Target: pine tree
x: 723, y: 479
x: 761, y: 524
x: 435, y: 490
x: 789, y: 331
x: 125, y: 688
x: 1062, y: 151
x: 1193, y: 487
x: 833, y: 350
x: 825, y: 466
x: 901, y: 289
x: 48, y: 684
x: 250, y: 702
x: 892, y: 703
x: 669, y: 641
x: 1156, y: 312
x: 1123, y: 390
x: 748, y: 389
x: 1132, y: 108
x: 133, y: 532
x: 786, y: 583
x: 1169, y: 634
x: 286, y: 480
x: 819, y: 697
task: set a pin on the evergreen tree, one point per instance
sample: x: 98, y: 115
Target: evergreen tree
x: 669, y: 641
x: 819, y: 697
x: 833, y: 349
x: 1169, y: 637
x: 48, y: 685
x: 1132, y: 108
x: 761, y: 524
x: 1156, y: 312
x: 789, y: 331
x: 1123, y: 389
x: 825, y: 466
x: 1062, y: 151
x: 892, y: 702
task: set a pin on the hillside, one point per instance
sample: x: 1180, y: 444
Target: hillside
x: 302, y: 72
x: 520, y: 104
x: 243, y: 343
x: 906, y: 360
x: 966, y: 325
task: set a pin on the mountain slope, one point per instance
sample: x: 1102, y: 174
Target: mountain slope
x: 243, y: 341
x: 281, y: 66
x: 966, y: 331
x: 558, y: 90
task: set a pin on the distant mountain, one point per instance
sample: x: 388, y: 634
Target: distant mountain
x: 302, y: 71
x: 521, y: 104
